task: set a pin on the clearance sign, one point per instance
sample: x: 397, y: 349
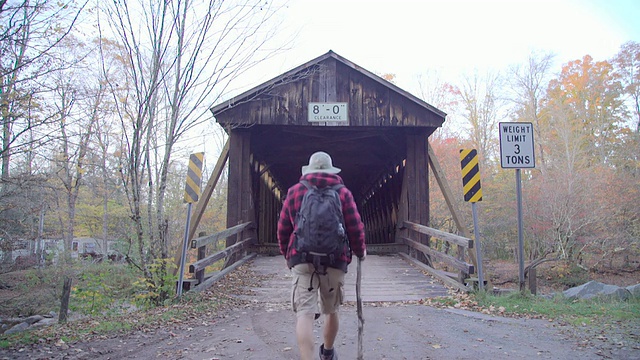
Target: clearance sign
x: 516, y: 145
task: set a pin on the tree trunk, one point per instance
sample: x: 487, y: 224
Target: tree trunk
x: 64, y: 301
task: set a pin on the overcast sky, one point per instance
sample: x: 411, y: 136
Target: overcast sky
x: 410, y: 37
x: 454, y: 37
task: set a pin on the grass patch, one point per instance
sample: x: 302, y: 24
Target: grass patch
x: 18, y: 339
x: 193, y: 306
x: 573, y: 311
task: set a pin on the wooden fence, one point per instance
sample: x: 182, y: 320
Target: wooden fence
x: 463, y: 244
x: 240, y: 246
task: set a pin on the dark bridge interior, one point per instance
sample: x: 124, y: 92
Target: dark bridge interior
x: 365, y: 155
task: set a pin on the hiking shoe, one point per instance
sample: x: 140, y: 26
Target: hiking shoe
x: 333, y: 356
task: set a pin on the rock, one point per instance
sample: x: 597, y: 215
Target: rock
x: 18, y: 328
x: 33, y: 319
x: 634, y: 290
x: 45, y: 322
x: 597, y: 289
x: 549, y: 296
x: 14, y: 325
x: 12, y: 321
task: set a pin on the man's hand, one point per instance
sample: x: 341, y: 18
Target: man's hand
x: 364, y: 255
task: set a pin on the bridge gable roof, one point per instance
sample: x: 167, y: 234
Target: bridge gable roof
x: 372, y: 101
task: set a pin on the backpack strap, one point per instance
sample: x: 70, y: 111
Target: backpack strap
x: 337, y: 188
x: 308, y: 185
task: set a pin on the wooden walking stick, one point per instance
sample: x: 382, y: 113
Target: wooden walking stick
x: 359, y: 309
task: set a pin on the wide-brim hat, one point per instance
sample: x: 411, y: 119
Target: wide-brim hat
x: 320, y: 162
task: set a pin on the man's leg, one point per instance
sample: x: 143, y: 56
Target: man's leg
x: 304, y: 334
x: 331, y: 297
x: 331, y: 327
x: 305, y: 305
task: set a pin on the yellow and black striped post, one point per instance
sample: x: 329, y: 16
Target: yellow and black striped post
x: 470, y: 175
x: 191, y: 195
x: 194, y: 178
x: 473, y: 194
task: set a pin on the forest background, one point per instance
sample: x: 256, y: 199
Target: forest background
x: 100, y: 103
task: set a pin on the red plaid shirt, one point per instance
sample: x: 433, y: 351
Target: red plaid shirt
x: 292, y: 203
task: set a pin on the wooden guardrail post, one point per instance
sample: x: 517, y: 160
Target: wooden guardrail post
x: 533, y: 281
x: 202, y: 253
x: 461, y: 274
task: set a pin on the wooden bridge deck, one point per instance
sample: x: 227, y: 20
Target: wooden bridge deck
x: 384, y: 278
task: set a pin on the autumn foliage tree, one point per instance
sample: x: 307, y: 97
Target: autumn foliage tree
x: 579, y: 200
x: 575, y: 206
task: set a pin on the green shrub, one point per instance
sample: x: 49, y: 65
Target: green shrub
x: 160, y: 287
x: 102, y: 288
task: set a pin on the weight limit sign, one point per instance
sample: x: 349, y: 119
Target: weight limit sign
x: 516, y: 145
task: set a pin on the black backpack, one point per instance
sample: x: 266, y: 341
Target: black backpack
x: 320, y: 236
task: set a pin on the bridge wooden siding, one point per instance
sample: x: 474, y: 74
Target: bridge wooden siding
x: 383, y: 150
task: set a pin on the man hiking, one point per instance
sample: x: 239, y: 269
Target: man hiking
x: 319, y: 229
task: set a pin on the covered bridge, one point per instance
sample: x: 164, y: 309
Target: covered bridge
x: 375, y: 132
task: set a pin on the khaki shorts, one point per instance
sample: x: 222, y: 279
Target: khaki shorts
x: 329, y: 287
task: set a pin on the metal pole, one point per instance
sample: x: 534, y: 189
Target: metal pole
x: 476, y: 235
x: 520, y: 240
x: 184, y: 249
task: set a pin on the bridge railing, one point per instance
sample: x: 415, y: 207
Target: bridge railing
x: 463, y: 243
x: 240, y: 246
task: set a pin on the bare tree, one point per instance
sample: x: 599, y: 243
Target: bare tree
x: 435, y: 91
x: 529, y: 84
x: 481, y: 106
x: 78, y: 106
x: 627, y: 70
x: 180, y: 57
x: 30, y: 30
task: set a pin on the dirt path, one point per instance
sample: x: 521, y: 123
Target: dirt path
x: 394, y: 331
x: 264, y: 328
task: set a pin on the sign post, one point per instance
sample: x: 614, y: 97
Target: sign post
x: 191, y: 195
x: 517, y: 152
x: 473, y: 193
